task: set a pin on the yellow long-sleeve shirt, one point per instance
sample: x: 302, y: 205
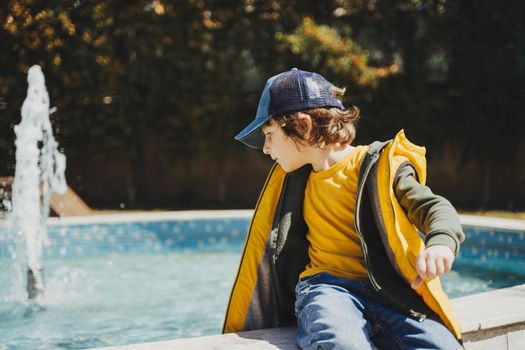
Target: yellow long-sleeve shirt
x: 329, y: 213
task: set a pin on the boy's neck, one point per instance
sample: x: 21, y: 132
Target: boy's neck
x: 324, y: 158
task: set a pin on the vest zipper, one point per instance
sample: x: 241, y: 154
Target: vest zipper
x: 364, y: 247
x: 420, y: 317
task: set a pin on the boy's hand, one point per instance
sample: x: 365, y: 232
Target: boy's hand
x: 434, y: 261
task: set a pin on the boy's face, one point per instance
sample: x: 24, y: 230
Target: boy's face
x: 282, y: 148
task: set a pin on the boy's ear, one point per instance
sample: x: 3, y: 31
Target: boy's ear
x: 306, y: 122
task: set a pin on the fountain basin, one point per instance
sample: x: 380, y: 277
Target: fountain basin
x: 138, y: 278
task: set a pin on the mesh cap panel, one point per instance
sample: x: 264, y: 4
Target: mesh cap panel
x: 297, y: 90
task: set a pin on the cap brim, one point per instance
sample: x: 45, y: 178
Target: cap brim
x: 252, y: 135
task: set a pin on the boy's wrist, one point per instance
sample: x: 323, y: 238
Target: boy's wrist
x: 440, y: 238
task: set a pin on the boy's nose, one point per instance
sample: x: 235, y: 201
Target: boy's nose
x: 266, y: 149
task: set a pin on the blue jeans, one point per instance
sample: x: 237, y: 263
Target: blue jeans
x: 339, y: 313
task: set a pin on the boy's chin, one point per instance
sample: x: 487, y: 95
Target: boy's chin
x: 289, y: 169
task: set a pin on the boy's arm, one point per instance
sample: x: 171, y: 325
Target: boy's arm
x: 433, y: 215
x: 436, y: 218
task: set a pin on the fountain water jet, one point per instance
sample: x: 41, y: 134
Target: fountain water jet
x: 39, y: 171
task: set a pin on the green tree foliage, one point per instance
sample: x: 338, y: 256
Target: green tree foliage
x: 146, y: 86
x: 325, y: 49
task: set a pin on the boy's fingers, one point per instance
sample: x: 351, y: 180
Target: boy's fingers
x: 440, y: 266
x: 447, y: 263
x: 432, y: 263
x: 418, y: 281
x: 431, y: 267
x: 421, y: 265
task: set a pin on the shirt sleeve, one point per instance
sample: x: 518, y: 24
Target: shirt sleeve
x: 433, y: 215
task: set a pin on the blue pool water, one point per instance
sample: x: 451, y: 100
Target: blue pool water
x: 132, y: 282
x: 121, y: 299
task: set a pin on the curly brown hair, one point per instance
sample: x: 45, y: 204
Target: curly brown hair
x: 329, y: 125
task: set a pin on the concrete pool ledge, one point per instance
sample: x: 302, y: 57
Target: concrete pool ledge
x: 493, y: 320
x: 493, y: 222
x: 183, y: 215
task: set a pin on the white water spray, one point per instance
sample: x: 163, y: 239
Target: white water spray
x: 39, y: 171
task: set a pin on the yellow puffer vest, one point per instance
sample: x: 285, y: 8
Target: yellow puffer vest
x: 276, y: 249
x: 403, y: 238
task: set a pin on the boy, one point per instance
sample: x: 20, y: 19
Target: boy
x: 334, y: 242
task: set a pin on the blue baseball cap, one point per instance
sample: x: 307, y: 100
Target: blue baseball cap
x: 290, y: 91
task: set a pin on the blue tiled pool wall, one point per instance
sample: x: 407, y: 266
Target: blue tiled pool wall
x: 156, y: 236
x: 483, y: 247
x: 493, y: 249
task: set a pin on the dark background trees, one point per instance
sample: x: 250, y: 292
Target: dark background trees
x: 149, y: 94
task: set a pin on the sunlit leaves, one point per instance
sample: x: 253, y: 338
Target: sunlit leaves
x: 323, y: 46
